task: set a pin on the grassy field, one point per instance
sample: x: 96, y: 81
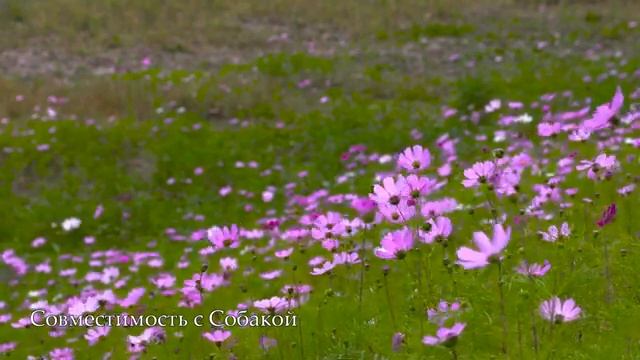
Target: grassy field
x: 154, y: 121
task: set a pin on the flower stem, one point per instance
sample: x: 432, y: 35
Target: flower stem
x: 608, y: 296
x: 389, y: 303
x: 503, y: 315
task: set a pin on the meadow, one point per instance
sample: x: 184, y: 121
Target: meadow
x: 398, y: 179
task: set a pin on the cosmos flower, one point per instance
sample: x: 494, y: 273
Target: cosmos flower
x: 399, y: 213
x: 397, y: 340
x: 601, y: 167
x: 324, y: 268
x: 553, y: 234
x: 533, y: 270
x: 390, y: 192
x: 94, y: 334
x: 436, y: 230
x: 217, y: 336
x: 443, y: 312
x: 605, y: 113
x: 272, y: 305
x: 488, y: 250
x: 7, y: 347
x: 61, y: 354
x: 395, y: 244
x: 418, y: 186
x: 558, y: 311
x: 445, y: 336
x: 608, y: 215
x: 415, y: 158
x: 267, y: 343
x: 328, y: 226
x: 224, y: 237
x: 479, y: 173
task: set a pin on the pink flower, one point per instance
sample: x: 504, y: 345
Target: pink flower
x: 438, y: 230
x: 479, y: 173
x: 445, y: 336
x: 346, y: 258
x: 328, y: 226
x: 217, y: 336
x: 418, y: 186
x: 390, y: 192
x: 225, y: 237
x: 552, y: 234
x: 489, y: 250
x: 607, y: 216
x: 399, y: 213
x: 275, y: 304
x: 7, y: 347
x: 395, y: 244
x: 284, y: 254
x: 557, y: 311
x: 228, y: 264
x: 324, y: 268
x: 547, y: 129
x: 397, y: 341
x: 61, y: 354
x: 601, y: 167
x: 443, y: 312
x: 363, y: 205
x: 96, y: 333
x: 98, y: 212
x: 605, y: 113
x: 414, y: 158
x: 534, y: 270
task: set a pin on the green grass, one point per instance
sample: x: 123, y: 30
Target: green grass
x: 376, y: 95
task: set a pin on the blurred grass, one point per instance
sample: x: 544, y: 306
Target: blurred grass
x: 85, y: 26
x: 376, y: 94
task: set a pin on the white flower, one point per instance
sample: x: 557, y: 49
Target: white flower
x: 493, y: 105
x: 524, y: 118
x: 71, y: 223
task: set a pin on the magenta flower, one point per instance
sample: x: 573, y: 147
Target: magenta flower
x: 557, y: 311
x: 479, y: 173
x: 414, y: 158
x: 61, y: 354
x: 273, y: 305
x: 397, y: 341
x: 399, y: 213
x: 94, y: 334
x: 225, y: 237
x: 601, y: 167
x: 284, y: 254
x: 533, y: 270
x: 328, y: 226
x: 390, y: 192
x: 445, y: 336
x: 608, y: 215
x: 488, y: 250
x: 363, y: 205
x: 436, y: 230
x: 7, y: 347
x: 419, y: 185
x: 267, y: 343
x: 217, y: 336
x: 324, y: 268
x: 605, y: 113
x: 395, y: 244
x: 443, y: 312
x: 553, y: 234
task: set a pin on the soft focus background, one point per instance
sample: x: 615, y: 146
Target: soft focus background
x: 152, y: 110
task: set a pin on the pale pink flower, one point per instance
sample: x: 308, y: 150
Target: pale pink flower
x: 488, y: 250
